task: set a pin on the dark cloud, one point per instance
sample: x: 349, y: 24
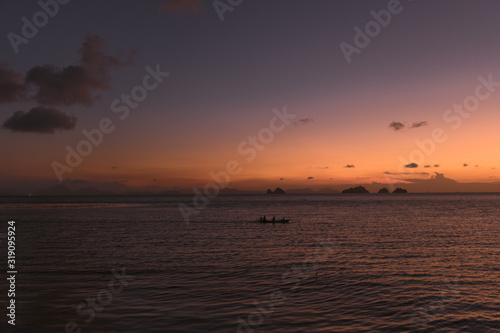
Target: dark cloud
x: 411, y: 165
x: 12, y: 87
x: 350, y: 166
x: 309, y: 178
x: 50, y: 85
x: 322, y: 168
x: 303, y: 121
x: 76, y: 84
x: 114, y: 167
x: 436, y: 165
x: 427, y: 166
x: 282, y: 178
x: 182, y: 6
x: 465, y: 165
x: 406, y: 173
x: 396, y: 125
x: 419, y: 124
x: 40, y: 120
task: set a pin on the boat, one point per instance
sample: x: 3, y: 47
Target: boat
x: 273, y: 220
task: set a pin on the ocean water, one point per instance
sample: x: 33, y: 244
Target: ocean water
x: 344, y: 263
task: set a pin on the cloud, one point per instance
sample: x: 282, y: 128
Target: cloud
x: 50, y: 85
x: 419, y: 124
x: 75, y: 84
x: 406, y: 173
x: 182, y: 6
x: 427, y: 166
x: 40, y: 120
x: 396, y: 125
x: 12, y: 87
x: 114, y: 167
x: 303, y: 121
x: 322, y: 168
x: 465, y: 165
x: 309, y: 178
x: 282, y: 178
x: 349, y: 166
x: 436, y: 165
x: 411, y: 165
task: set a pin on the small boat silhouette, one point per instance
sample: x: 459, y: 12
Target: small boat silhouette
x: 273, y: 220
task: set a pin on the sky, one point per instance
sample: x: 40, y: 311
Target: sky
x: 295, y: 94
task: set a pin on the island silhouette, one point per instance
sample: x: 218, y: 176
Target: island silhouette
x: 278, y: 190
x: 361, y: 189
x: 358, y: 189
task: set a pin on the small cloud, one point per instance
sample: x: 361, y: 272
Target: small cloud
x: 114, y: 167
x: 427, y: 166
x: 154, y: 179
x: 411, y: 166
x: 40, y: 120
x: 182, y: 6
x: 282, y: 178
x: 465, y: 165
x: 309, y: 178
x: 322, y: 168
x: 406, y: 173
x: 349, y: 166
x: 396, y: 125
x: 303, y: 121
x: 476, y: 166
x: 419, y: 124
x: 436, y: 165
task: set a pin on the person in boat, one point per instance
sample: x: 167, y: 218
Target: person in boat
x: 274, y: 219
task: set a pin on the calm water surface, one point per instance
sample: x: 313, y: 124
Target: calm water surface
x: 360, y: 263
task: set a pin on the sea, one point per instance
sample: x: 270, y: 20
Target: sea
x: 344, y: 263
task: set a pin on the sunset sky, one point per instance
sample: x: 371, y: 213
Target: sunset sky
x: 224, y: 80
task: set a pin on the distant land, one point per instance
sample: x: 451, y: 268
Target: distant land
x: 436, y: 184
x: 278, y: 190
x: 357, y: 189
